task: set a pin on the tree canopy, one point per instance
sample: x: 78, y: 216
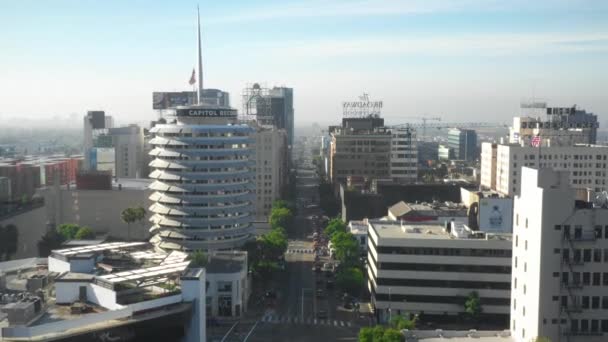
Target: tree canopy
x: 350, y: 280
x: 333, y: 226
x: 198, y: 259
x: 472, y: 306
x: 379, y: 334
x: 280, y: 218
x: 346, y: 248
x: 84, y: 233
x: 68, y: 230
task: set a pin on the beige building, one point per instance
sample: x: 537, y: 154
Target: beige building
x: 271, y: 168
x: 129, y: 157
x: 100, y: 209
x: 361, y: 147
x: 586, y: 165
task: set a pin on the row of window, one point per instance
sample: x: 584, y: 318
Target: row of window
x: 585, y: 278
x: 457, y: 284
x: 459, y: 300
x: 444, y: 268
x: 474, y: 252
x: 583, y: 255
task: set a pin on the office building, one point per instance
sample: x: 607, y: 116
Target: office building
x: 556, y: 126
x: 96, y: 125
x: 433, y: 268
x: 270, y: 106
x: 560, y: 253
x: 271, y: 167
x: 5, y: 189
x: 128, y: 143
x: 586, y: 165
x: 445, y: 153
x: 361, y: 147
x: 203, y: 181
x: 488, y: 211
x: 464, y: 143
x: 404, y: 155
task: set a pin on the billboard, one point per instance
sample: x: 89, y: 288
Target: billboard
x: 496, y: 215
x: 207, y: 112
x: 165, y: 100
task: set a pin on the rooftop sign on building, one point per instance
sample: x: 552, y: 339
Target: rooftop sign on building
x: 362, y: 108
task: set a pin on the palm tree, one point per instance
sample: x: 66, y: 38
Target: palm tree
x: 128, y: 217
x: 131, y: 215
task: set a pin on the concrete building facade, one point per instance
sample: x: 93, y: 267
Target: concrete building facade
x: 586, y: 165
x: 404, y: 155
x: 271, y: 167
x: 424, y: 268
x: 128, y: 145
x: 560, y: 253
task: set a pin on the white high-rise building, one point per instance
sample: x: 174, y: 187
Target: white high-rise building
x: 586, y: 165
x: 204, y: 183
x: 560, y: 253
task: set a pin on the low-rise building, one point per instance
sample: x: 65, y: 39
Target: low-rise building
x: 98, y: 290
x: 228, y: 284
x: 426, y: 268
x: 435, y: 212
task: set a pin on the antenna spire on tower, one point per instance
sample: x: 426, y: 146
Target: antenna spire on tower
x: 200, y: 59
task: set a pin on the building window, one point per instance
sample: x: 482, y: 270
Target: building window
x: 605, y: 325
x: 597, y: 255
x: 558, y: 227
x: 586, y: 255
x: 605, y: 283
x: 604, y: 302
x: 596, y: 278
x: 595, y: 302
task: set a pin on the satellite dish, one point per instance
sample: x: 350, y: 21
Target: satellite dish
x: 600, y: 200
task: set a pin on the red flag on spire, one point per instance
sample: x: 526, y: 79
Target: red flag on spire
x: 192, y: 78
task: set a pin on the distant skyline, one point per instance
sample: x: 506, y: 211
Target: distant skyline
x: 465, y: 60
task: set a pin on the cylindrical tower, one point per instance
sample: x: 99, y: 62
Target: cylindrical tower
x: 203, y: 188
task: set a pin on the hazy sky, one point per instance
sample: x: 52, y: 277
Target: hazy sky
x: 463, y: 60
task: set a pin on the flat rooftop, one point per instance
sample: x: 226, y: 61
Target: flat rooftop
x: 427, y: 231
x: 226, y: 262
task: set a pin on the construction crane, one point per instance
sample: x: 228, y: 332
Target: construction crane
x: 424, y: 119
x: 443, y: 125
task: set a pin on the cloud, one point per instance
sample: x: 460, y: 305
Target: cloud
x: 483, y: 45
x: 367, y: 8
x: 317, y: 8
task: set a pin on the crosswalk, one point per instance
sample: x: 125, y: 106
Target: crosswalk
x: 301, y: 250
x: 277, y: 319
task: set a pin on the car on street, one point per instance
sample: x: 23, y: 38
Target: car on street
x: 322, y: 314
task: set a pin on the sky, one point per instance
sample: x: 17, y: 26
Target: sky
x: 462, y: 60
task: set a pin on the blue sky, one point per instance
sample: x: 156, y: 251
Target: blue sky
x: 465, y: 60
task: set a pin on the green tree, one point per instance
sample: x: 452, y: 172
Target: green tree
x: 68, y: 230
x: 132, y: 215
x: 274, y: 244
x: 392, y: 335
x: 399, y: 322
x: 84, y: 233
x: 283, y: 204
x: 346, y: 248
x: 541, y: 339
x: 350, y: 280
x: 198, y: 259
x: 366, y: 334
x: 51, y: 240
x: 333, y: 226
x: 280, y: 217
x: 472, y: 306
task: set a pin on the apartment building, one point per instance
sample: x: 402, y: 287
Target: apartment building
x: 560, y: 254
x: 427, y: 268
x: 586, y: 165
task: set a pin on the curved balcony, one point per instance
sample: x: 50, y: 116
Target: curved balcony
x: 163, y: 209
x: 201, y: 199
